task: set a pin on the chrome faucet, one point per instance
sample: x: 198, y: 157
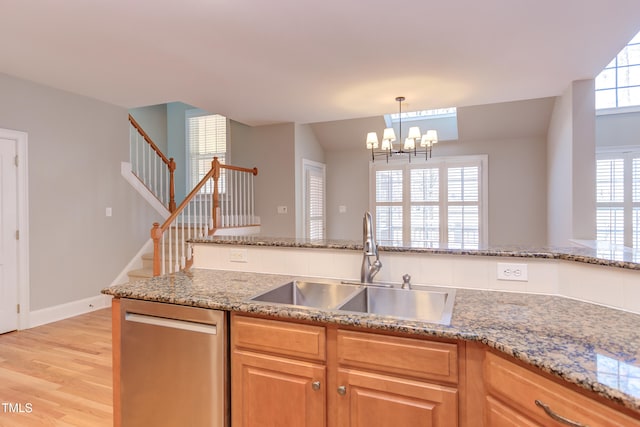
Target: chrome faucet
x: 370, y: 249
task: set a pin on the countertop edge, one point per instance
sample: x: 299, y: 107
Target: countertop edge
x: 612, y: 256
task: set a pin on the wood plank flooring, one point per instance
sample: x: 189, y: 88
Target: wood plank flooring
x: 58, y: 374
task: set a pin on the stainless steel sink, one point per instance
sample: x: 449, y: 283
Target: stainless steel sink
x: 308, y: 294
x: 428, y: 303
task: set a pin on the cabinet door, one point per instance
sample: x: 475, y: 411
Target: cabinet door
x: 374, y: 400
x: 527, y: 391
x: 500, y: 415
x: 270, y: 391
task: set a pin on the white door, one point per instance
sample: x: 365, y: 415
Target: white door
x: 8, y: 242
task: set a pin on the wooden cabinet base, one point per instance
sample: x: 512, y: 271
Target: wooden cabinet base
x: 380, y: 400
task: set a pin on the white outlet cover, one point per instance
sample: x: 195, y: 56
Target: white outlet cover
x: 513, y: 272
x: 238, y: 255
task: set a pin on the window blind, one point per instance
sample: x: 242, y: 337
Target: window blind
x: 428, y: 205
x: 207, y: 138
x: 618, y: 198
x: 315, y: 202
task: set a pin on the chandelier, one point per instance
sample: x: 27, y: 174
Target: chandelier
x: 409, y: 148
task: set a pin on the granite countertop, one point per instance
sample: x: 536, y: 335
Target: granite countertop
x: 600, y: 253
x: 594, y: 347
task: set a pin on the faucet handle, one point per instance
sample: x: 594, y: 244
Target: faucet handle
x: 406, y: 281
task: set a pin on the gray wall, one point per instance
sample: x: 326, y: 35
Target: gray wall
x: 571, y: 166
x: 348, y: 186
x: 272, y: 150
x: 75, y: 148
x: 517, y: 184
x: 176, y: 136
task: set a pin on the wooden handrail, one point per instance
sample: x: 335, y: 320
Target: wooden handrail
x: 147, y: 138
x: 214, y: 173
x: 254, y: 171
x: 171, y: 164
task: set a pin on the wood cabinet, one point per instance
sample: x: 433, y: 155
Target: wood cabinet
x: 278, y: 374
x: 284, y: 375
x: 518, y: 396
x: 387, y: 381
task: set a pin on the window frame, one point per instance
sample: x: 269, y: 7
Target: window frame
x: 627, y: 154
x: 617, y: 66
x: 223, y: 156
x: 310, y: 167
x: 443, y: 164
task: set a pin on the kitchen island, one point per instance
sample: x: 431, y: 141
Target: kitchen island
x: 590, y: 348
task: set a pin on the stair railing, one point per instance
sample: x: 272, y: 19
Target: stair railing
x: 151, y: 166
x: 224, y: 198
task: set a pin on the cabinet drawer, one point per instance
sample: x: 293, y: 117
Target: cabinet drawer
x: 273, y: 336
x: 520, y: 388
x: 405, y: 356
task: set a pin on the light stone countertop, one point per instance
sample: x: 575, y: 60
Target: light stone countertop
x: 600, y: 253
x: 592, y: 346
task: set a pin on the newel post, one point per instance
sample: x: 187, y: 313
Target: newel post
x: 156, y: 235
x: 172, y: 190
x: 215, y: 165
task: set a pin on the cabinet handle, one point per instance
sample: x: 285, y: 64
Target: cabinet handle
x: 342, y: 390
x: 315, y: 385
x: 557, y: 417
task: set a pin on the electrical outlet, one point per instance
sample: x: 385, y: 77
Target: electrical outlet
x: 238, y: 255
x: 509, y: 271
x: 282, y: 209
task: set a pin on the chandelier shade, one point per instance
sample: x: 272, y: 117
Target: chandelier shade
x: 408, y: 146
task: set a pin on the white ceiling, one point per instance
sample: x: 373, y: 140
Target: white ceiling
x: 259, y: 61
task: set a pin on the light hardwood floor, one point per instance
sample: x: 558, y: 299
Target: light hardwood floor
x: 62, y: 370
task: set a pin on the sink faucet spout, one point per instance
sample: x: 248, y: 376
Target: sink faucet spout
x: 370, y: 249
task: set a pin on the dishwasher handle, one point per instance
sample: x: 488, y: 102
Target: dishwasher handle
x: 164, y: 322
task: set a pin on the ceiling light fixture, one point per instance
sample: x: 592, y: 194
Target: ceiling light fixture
x: 414, y: 137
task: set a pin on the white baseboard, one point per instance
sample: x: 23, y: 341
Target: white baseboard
x: 70, y: 309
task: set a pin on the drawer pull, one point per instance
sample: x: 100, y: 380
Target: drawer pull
x: 558, y: 418
x: 342, y: 390
x: 315, y: 385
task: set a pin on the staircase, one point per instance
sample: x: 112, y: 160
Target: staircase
x: 146, y: 271
x: 221, y: 203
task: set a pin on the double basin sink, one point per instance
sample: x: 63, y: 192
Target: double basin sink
x: 424, y: 303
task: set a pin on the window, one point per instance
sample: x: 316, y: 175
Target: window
x: 206, y: 139
x: 618, y: 85
x: 314, y: 199
x: 438, y: 203
x: 618, y: 198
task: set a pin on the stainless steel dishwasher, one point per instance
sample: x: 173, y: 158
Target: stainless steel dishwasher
x: 173, y: 365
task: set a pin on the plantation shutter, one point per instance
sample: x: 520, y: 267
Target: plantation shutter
x: 207, y: 138
x: 610, y: 200
x: 315, y: 202
x: 463, y: 210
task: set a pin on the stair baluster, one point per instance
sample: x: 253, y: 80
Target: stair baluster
x: 232, y: 186
x: 151, y: 166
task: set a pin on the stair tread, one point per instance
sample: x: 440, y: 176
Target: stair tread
x: 141, y: 272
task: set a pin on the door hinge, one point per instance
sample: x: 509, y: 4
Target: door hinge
x: 16, y: 160
x: 18, y: 308
x: 17, y: 234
